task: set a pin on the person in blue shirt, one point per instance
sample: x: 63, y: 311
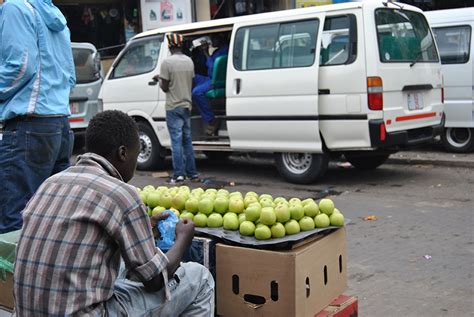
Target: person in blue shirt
x: 36, y: 76
x: 202, y: 84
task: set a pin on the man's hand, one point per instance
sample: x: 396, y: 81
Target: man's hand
x: 185, y: 231
x: 156, y: 77
x: 154, y: 221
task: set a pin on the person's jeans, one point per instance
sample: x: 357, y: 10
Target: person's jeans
x: 202, y: 84
x: 192, y: 294
x: 178, y: 122
x: 31, y: 150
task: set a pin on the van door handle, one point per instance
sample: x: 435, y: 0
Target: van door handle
x: 324, y: 91
x: 237, y: 86
x: 152, y: 83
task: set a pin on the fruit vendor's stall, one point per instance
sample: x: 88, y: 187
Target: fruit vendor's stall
x: 282, y: 256
x: 269, y: 256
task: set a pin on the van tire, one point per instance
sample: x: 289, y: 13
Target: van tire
x: 366, y: 162
x: 301, y: 168
x: 458, y: 140
x: 150, y: 156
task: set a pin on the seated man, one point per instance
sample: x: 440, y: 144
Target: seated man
x: 202, y: 84
x: 87, y: 246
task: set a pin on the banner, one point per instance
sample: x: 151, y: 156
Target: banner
x: 161, y: 13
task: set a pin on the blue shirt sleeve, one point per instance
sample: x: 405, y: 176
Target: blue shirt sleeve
x: 18, y: 49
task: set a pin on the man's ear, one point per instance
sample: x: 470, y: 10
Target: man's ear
x: 122, y: 153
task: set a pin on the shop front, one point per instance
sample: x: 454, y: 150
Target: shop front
x: 107, y: 24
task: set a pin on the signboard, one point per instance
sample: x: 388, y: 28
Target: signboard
x: 161, y: 13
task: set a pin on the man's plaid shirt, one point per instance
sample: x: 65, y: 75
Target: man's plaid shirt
x: 76, y: 227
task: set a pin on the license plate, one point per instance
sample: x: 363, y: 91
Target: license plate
x: 415, y: 101
x: 74, y: 107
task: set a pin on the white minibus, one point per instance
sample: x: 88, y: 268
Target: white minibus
x: 453, y: 33
x: 359, y: 79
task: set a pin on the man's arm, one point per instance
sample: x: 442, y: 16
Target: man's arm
x: 164, y: 84
x: 18, y: 50
x: 164, y: 76
x: 184, y: 237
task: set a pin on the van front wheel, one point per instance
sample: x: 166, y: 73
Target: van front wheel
x: 301, y: 168
x: 150, y: 156
x: 366, y: 162
x: 459, y: 140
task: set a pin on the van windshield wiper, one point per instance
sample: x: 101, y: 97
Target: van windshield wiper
x: 417, y: 57
x: 391, y: 2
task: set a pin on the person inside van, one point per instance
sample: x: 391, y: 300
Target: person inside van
x: 202, y: 84
x: 101, y: 258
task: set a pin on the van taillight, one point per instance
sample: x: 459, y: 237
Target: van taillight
x: 375, y: 93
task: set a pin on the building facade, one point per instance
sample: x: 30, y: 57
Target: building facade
x: 109, y: 24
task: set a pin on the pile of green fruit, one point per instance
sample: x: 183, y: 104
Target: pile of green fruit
x: 253, y: 215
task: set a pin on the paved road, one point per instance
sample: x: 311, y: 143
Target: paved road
x: 416, y: 259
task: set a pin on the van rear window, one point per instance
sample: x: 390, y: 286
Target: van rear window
x: 453, y: 43
x: 404, y: 36
x: 87, y: 65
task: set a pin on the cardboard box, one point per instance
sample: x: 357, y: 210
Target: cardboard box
x: 8, y: 242
x: 342, y: 306
x: 203, y: 251
x: 6, y: 291
x: 298, y: 282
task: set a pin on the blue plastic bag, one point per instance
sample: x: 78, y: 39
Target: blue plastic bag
x: 167, y: 230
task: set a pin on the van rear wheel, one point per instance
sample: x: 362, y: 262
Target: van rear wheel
x: 459, y: 140
x: 366, y: 162
x: 150, y: 156
x: 301, y: 168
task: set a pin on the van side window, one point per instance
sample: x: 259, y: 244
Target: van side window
x: 453, y: 43
x: 404, y: 36
x: 339, y: 41
x: 279, y: 45
x: 140, y: 57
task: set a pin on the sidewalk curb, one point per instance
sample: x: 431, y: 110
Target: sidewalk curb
x: 446, y: 163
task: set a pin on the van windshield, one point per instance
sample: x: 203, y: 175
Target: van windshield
x: 87, y: 65
x: 404, y: 36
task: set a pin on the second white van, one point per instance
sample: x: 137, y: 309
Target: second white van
x: 359, y: 79
x: 453, y: 33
